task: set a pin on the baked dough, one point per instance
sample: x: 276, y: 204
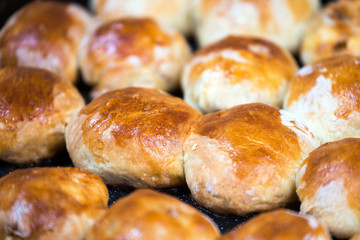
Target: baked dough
x: 35, y: 105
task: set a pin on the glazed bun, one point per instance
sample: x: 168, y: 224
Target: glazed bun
x: 174, y: 13
x: 244, y: 159
x: 325, y: 95
x: 333, y: 32
x: 279, y: 224
x: 148, y: 215
x: 132, y: 137
x: 45, y: 34
x: 281, y: 21
x: 328, y: 185
x: 35, y: 105
x: 237, y: 70
x: 50, y: 203
x: 133, y: 52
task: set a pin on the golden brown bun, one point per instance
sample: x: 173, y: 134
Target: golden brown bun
x: 357, y: 236
x: 146, y: 214
x: 328, y: 185
x: 333, y: 32
x: 281, y: 21
x: 132, y: 137
x: 279, y: 225
x: 44, y: 34
x: 174, y: 13
x: 244, y: 159
x: 50, y: 203
x: 237, y: 70
x: 35, y: 105
x: 133, y: 52
x: 326, y: 96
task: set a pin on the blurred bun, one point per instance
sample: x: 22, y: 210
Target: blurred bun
x: 133, y: 52
x: 326, y: 96
x: 35, y: 105
x: 45, y: 34
x: 244, y: 159
x: 132, y: 137
x: 328, y: 185
x: 237, y: 70
x: 281, y: 21
x: 50, y: 203
x: 146, y: 214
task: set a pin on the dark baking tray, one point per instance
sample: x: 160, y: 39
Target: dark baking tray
x: 7, y: 7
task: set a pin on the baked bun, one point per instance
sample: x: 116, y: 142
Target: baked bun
x: 326, y: 96
x: 44, y: 34
x: 244, y: 159
x: 35, y: 105
x: 133, y: 52
x: 132, y: 136
x: 50, y: 203
x: 328, y: 185
x: 174, y: 13
x: 237, y: 70
x: 333, y: 32
x: 281, y: 21
x: 279, y: 224
x: 146, y: 214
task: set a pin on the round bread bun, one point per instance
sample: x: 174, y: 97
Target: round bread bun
x: 328, y: 185
x: 174, y: 13
x: 45, y: 34
x: 35, y: 105
x: 333, y: 32
x: 148, y: 215
x: 133, y: 137
x: 237, y: 70
x: 325, y: 95
x: 50, y: 203
x: 282, y: 225
x: 244, y: 159
x: 281, y: 21
x: 133, y: 52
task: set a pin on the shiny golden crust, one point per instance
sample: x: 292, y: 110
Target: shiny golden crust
x: 237, y: 70
x: 325, y: 95
x: 328, y: 185
x: 174, y: 13
x: 279, y: 21
x: 44, y: 34
x: 244, y: 159
x: 133, y: 52
x: 132, y: 137
x: 333, y: 32
x: 50, y: 203
x: 146, y: 214
x: 35, y: 105
x: 279, y: 224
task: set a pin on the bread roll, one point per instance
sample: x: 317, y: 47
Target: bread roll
x: 328, y: 185
x: 146, y: 214
x: 44, y: 34
x: 50, y: 203
x: 132, y: 137
x: 281, y: 21
x: 325, y: 95
x: 237, y: 70
x: 174, y: 13
x: 133, y: 52
x: 333, y: 32
x: 280, y: 224
x: 35, y: 105
x: 244, y: 159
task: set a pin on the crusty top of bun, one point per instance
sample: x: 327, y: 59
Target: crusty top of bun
x: 152, y: 215
x: 343, y: 71
x: 279, y: 224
